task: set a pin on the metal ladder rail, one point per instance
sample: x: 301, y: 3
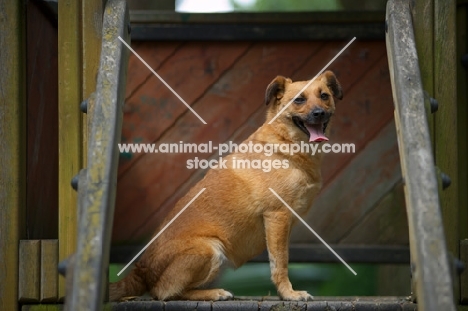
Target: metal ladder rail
x: 432, y: 278
x: 97, y: 183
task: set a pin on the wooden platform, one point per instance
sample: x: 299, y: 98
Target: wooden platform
x: 261, y: 304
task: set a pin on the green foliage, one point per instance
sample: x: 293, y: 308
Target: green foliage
x: 288, y: 5
x: 253, y: 279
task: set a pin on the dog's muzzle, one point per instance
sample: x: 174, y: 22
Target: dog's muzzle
x: 314, y: 125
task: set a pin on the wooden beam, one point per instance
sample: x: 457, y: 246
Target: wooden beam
x: 257, y: 32
x: 12, y: 147
x: 91, y: 21
x: 91, y: 259
x: 49, y: 273
x: 29, y: 271
x: 430, y: 262
x: 70, y: 124
x: 167, y: 17
x: 445, y: 126
x: 423, y: 22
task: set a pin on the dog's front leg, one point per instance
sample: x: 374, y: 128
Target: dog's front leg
x: 277, y: 229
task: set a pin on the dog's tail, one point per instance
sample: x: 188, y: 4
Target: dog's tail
x: 131, y: 285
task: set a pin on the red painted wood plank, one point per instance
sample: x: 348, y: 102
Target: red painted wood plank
x: 42, y: 120
x: 367, y: 108
x: 154, y: 54
x: 385, y: 224
x: 349, y: 67
x: 355, y: 191
x: 190, y: 71
x: 227, y: 104
x: 352, y: 70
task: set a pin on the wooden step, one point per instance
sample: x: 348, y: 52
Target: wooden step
x: 274, y: 304
x: 257, y: 304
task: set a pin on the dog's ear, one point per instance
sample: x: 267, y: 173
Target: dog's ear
x: 330, y: 80
x: 276, y: 88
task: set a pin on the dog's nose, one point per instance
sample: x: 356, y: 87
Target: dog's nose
x: 318, y: 113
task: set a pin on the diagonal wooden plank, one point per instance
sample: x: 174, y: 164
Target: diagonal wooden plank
x: 385, y: 224
x: 155, y: 54
x: 365, y: 180
x: 360, y: 68
x: 365, y: 110
x: 226, y: 105
x: 349, y: 67
x: 154, y: 108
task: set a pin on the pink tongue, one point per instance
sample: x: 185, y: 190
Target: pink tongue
x: 316, y: 133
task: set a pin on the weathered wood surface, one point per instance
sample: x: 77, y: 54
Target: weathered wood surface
x: 423, y: 23
x: 266, y: 303
x: 92, y: 256
x: 445, y: 91
x: 91, y: 31
x: 29, y: 271
x: 49, y: 273
x: 427, y: 241
x: 233, y: 103
x: 12, y: 147
x: 70, y: 123
x: 273, y: 303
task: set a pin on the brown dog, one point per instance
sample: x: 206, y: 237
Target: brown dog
x: 237, y: 216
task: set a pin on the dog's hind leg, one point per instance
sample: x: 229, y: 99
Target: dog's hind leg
x: 190, y: 269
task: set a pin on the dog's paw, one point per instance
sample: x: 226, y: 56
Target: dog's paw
x: 297, y: 295
x: 222, y: 294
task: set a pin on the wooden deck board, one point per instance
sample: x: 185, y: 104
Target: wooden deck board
x: 387, y: 303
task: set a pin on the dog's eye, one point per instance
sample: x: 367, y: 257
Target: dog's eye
x: 299, y: 100
x: 324, y: 96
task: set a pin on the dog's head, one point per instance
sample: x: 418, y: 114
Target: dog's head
x: 310, y: 110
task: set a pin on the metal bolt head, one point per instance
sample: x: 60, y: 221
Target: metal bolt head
x: 446, y: 181
x: 74, y: 182
x: 434, y: 105
x: 84, y: 106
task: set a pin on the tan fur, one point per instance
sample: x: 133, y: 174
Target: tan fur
x: 237, y: 216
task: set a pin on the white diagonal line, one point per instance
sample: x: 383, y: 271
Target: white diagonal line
x: 161, y: 231
x: 162, y: 80
x: 312, y: 230
x: 312, y: 80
